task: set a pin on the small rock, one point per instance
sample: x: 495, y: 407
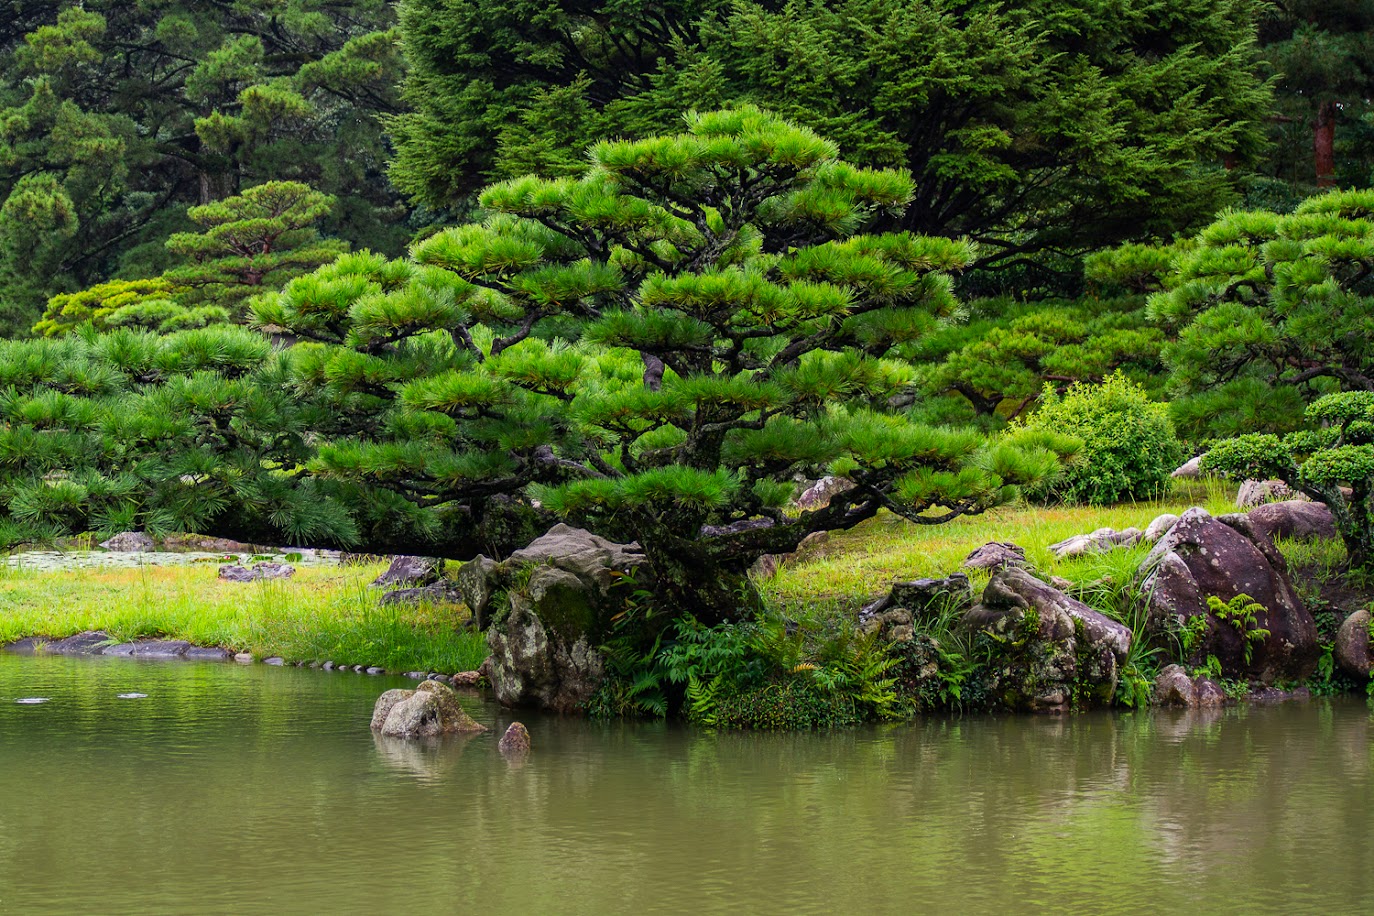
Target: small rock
x: 416, y: 675
x: 410, y: 572
x: 208, y: 654
x: 822, y: 491
x: 1100, y: 541
x: 429, y: 594
x: 129, y: 542
x: 275, y: 660
x: 1296, y: 519
x: 437, y: 677
x: 161, y: 648
x: 1258, y: 492
x: 516, y: 740
x: 995, y: 555
x: 91, y: 642
x: 1160, y: 526
x: 375, y: 670
x: 233, y: 573
x: 121, y: 650
x: 432, y: 709
x: 385, y: 703
x: 466, y: 679
x: 1352, y: 645
x: 328, y: 666
x: 359, y: 669
x: 1189, y: 470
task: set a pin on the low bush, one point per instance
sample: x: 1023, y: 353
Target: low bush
x: 1129, y: 443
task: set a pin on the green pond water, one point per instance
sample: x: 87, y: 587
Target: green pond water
x: 233, y: 789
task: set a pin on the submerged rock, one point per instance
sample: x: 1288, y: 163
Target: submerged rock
x: 995, y: 555
x: 1057, y: 653
x: 515, y: 741
x: 410, y: 572
x: 1202, y: 557
x: 430, y: 710
x: 1175, y: 687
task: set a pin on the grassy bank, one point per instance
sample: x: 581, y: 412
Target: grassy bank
x: 320, y: 614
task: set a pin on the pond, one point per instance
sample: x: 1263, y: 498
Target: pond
x: 229, y: 788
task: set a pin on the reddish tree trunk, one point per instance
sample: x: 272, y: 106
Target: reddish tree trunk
x: 1324, y: 143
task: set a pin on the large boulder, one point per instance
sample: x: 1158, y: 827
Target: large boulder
x: 1204, y: 557
x: 550, y: 604
x: 410, y: 572
x: 430, y: 710
x: 1352, y: 645
x: 1295, y: 519
x: 1057, y: 653
x: 129, y: 542
x: 1159, y: 527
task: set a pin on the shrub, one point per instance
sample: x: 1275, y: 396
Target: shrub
x: 1129, y: 443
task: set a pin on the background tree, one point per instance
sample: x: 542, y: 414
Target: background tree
x: 1029, y: 128
x: 115, y: 117
x: 1269, y: 312
x: 250, y: 243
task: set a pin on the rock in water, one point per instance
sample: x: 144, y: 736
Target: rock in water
x: 1352, y: 645
x: 1296, y: 519
x: 1173, y: 687
x: 429, y: 594
x: 516, y: 740
x: 430, y: 710
x: 1059, y: 653
x: 129, y: 542
x: 995, y: 555
x: 410, y: 572
x: 1202, y: 557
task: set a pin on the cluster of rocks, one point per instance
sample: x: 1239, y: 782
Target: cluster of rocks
x: 432, y: 710
x: 256, y: 573
x: 97, y: 642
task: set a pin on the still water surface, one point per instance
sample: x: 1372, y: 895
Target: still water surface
x: 230, y: 789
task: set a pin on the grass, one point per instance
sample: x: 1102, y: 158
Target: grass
x: 855, y: 566
x: 320, y: 614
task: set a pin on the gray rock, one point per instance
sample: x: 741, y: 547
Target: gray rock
x: 1352, y: 646
x: 515, y: 741
x: 1258, y: 492
x: 466, y: 679
x: 552, y: 666
x: 29, y: 645
x: 436, y: 676
x: 208, y: 654
x: 819, y: 494
x: 428, y: 594
x: 587, y: 556
x: 1064, y: 654
x: 159, y: 648
x: 121, y: 650
x: 416, y: 675
x: 276, y: 661
x: 924, y: 597
x: 359, y: 669
x: 129, y: 542
x: 244, y: 658
x: 995, y: 555
x: 1295, y: 519
x: 431, y: 710
x: 232, y: 573
x: 1160, y: 526
x: 410, y: 572
x: 375, y: 670
x: 91, y: 642
x: 1189, y: 470
x: 476, y: 586
x: 1175, y: 687
x: 328, y: 666
x: 893, y: 625
x: 385, y: 703
x: 1202, y: 557
x: 1100, y: 541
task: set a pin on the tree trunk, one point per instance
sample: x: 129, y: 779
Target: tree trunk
x: 1324, y: 144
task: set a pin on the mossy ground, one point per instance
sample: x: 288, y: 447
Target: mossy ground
x: 320, y: 614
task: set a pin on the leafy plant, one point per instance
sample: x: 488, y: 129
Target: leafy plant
x: 1240, y: 612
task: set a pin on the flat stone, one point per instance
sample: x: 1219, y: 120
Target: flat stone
x: 208, y: 654
x: 358, y: 669
x: 276, y: 661
x: 122, y: 650
x: 160, y: 648
x: 26, y: 646
x: 244, y: 658
x: 437, y: 677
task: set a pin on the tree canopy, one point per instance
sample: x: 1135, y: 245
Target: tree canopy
x: 1028, y: 128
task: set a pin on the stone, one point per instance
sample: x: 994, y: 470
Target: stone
x: 1294, y: 519
x: 359, y: 669
x: 415, y: 675
x: 428, y: 594
x: 328, y: 666
x: 437, y: 677
x: 276, y: 661
x: 516, y: 740
x: 410, y: 572
x: 200, y: 543
x: 923, y: 598
x: 587, y: 556
x: 995, y: 555
x: 160, y: 648
x: 892, y: 625
x: 476, y: 585
x: 234, y: 573
x: 374, y: 670
x: 1189, y: 470
x: 431, y: 710
x: 466, y: 679
x: 534, y: 663
x: 91, y: 642
x: 1175, y: 687
x: 1352, y: 646
x: 208, y: 654
x: 130, y: 542
x: 1159, y: 527
x: 1202, y: 557
x: 819, y: 494
x: 1258, y: 492
x: 1060, y: 653
x: 29, y: 645
x: 1100, y: 541
x: 120, y: 650
x: 385, y: 703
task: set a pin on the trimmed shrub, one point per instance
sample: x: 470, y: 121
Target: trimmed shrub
x: 1129, y: 443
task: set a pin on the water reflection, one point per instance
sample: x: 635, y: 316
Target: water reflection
x: 273, y: 776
